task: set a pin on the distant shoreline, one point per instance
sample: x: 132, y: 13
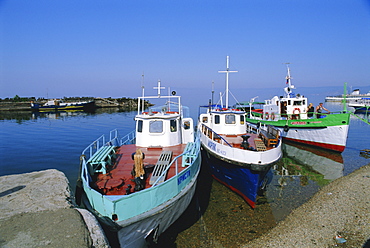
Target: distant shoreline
x: 24, y: 104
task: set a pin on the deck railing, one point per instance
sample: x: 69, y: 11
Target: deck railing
x: 315, y: 115
x: 189, y: 154
x: 100, y: 142
x: 212, y: 135
x: 128, y: 139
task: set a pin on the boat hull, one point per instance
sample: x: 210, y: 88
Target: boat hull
x: 140, y: 217
x: 329, y: 132
x: 242, y: 180
x: 362, y: 109
x: 143, y: 229
x: 74, y: 106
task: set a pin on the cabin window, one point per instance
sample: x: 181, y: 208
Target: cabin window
x: 297, y: 103
x: 205, y: 119
x: 217, y: 119
x: 186, y: 125
x: 173, y: 126
x: 230, y: 119
x: 156, y: 126
x: 140, y: 126
x: 288, y: 102
x: 242, y: 119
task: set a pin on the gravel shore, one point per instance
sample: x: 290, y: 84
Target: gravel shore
x: 341, y: 208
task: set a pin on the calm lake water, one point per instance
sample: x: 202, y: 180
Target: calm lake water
x: 31, y: 142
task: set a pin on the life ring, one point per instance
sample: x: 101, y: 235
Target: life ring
x: 296, y: 109
x: 272, y: 116
x: 267, y: 115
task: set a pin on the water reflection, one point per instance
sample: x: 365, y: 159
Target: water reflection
x: 300, y: 174
x: 316, y: 164
x: 22, y: 116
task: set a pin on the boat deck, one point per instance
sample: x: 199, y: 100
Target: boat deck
x: 120, y: 179
x: 255, y: 141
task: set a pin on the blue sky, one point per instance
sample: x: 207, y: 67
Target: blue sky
x: 102, y: 47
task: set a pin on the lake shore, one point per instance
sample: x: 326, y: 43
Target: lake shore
x: 127, y: 103
x: 35, y: 210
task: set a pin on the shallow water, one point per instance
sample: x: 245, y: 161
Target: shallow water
x: 217, y: 217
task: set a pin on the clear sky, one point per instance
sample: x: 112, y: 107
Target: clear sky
x: 102, y: 47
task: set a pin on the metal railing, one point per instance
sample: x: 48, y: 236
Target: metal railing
x: 91, y: 149
x: 190, y: 153
x: 214, y: 134
x: 128, y: 139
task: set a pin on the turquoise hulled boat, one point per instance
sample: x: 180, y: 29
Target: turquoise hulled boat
x: 138, y: 185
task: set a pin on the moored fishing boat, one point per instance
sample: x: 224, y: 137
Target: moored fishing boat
x: 140, y: 184
x: 59, y: 105
x: 290, y: 115
x: 239, y: 156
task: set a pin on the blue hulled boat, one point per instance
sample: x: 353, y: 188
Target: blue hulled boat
x: 238, y: 154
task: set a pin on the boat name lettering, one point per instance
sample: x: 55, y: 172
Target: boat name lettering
x: 221, y: 152
x: 316, y: 121
x: 299, y: 123
x: 183, y: 177
x: 212, y: 145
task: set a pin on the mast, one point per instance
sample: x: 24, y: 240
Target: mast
x: 159, y: 88
x: 227, y: 80
x: 213, y: 91
x: 142, y: 89
x: 344, y: 101
x: 288, y: 89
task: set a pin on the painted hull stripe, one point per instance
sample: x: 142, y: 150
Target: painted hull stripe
x: 337, y: 148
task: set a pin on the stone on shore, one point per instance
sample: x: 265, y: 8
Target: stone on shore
x: 341, y: 208
x: 35, y: 211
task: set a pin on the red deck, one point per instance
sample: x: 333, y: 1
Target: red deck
x: 117, y: 179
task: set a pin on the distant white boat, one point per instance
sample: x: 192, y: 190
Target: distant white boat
x: 355, y: 95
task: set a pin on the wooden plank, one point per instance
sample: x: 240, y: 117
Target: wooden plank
x: 161, y: 165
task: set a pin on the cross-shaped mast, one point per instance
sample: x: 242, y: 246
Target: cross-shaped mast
x: 227, y: 80
x: 159, y: 88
